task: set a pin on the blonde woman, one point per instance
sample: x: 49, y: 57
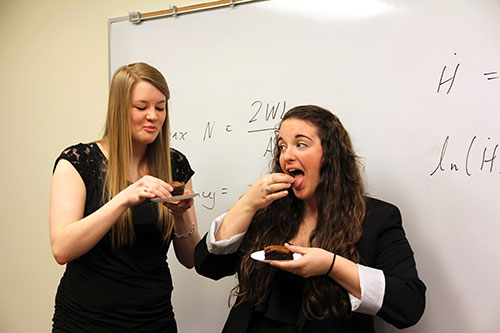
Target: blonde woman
x: 103, y: 226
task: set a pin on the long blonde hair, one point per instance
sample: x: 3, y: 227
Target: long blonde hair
x: 119, y: 138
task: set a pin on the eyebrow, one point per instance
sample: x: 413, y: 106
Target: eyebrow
x: 298, y: 136
x: 144, y: 101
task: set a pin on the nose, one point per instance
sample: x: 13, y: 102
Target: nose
x: 152, y: 114
x: 288, y: 154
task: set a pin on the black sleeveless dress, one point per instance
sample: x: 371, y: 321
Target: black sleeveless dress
x: 124, y: 290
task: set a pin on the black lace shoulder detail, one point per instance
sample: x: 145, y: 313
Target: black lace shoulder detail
x: 181, y: 170
x: 89, y: 161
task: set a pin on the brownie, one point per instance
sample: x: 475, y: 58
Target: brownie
x: 178, y: 188
x: 277, y: 252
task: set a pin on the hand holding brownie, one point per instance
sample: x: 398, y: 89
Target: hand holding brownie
x: 267, y: 189
x: 314, y: 261
x: 180, y: 206
x: 177, y: 188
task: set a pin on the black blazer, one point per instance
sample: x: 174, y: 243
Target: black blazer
x: 383, y: 245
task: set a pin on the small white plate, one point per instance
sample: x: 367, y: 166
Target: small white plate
x: 175, y: 198
x: 260, y: 255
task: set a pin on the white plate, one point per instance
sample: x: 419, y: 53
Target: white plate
x: 260, y: 255
x: 175, y: 198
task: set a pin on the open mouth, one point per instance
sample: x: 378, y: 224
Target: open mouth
x: 298, y: 176
x: 295, y: 172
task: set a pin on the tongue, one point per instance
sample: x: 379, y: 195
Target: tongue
x: 298, y: 180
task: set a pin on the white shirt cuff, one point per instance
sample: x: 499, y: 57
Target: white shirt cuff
x: 372, y: 283
x: 225, y: 246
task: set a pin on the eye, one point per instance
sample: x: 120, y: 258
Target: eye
x: 140, y: 108
x: 160, y: 108
x: 281, y: 147
x: 301, y: 145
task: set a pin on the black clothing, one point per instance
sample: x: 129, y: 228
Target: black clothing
x: 123, y: 290
x: 383, y: 245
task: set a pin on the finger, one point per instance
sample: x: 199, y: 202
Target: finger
x: 143, y: 196
x: 157, y: 184
x: 145, y: 192
x: 276, y: 264
x: 159, y: 191
x: 164, y: 190
x: 158, y: 181
x: 281, y: 178
x: 277, y: 195
x: 180, y: 205
x: 286, y: 265
x: 272, y: 188
x: 296, y: 248
x: 187, y: 202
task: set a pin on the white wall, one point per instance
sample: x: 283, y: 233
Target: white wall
x: 53, y: 93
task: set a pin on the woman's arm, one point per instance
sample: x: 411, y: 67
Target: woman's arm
x: 402, y: 300
x: 184, y: 222
x: 73, y: 235
x: 214, y: 266
x: 404, y: 297
x: 239, y: 217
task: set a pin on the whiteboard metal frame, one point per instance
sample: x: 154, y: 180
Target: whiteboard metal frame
x: 137, y: 17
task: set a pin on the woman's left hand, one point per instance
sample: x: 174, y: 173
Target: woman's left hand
x: 314, y: 261
x: 181, y: 206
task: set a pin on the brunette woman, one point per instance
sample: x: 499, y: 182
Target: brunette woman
x: 355, y: 259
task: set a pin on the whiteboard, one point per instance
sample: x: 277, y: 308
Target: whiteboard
x: 414, y: 82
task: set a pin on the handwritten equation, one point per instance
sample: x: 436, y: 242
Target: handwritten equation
x: 477, y: 156
x: 468, y: 164
x: 448, y: 76
x: 264, y: 117
x: 209, y: 198
x: 270, y: 115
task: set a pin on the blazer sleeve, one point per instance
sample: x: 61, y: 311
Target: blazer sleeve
x: 404, y: 297
x: 214, y: 266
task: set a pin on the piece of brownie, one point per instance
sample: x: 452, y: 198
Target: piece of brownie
x: 277, y: 252
x: 178, y: 188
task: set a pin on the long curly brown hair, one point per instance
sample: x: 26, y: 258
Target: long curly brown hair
x: 340, y: 194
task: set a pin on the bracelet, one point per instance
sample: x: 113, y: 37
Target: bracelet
x: 331, y: 266
x: 186, y: 235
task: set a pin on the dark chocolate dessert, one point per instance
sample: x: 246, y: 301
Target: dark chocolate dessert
x: 178, y: 188
x: 277, y: 252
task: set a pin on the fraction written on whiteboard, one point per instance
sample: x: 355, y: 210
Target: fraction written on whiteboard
x: 264, y: 117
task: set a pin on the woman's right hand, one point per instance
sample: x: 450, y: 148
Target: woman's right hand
x: 147, y: 187
x: 267, y: 189
x: 261, y: 194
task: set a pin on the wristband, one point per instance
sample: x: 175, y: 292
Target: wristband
x: 331, y: 266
